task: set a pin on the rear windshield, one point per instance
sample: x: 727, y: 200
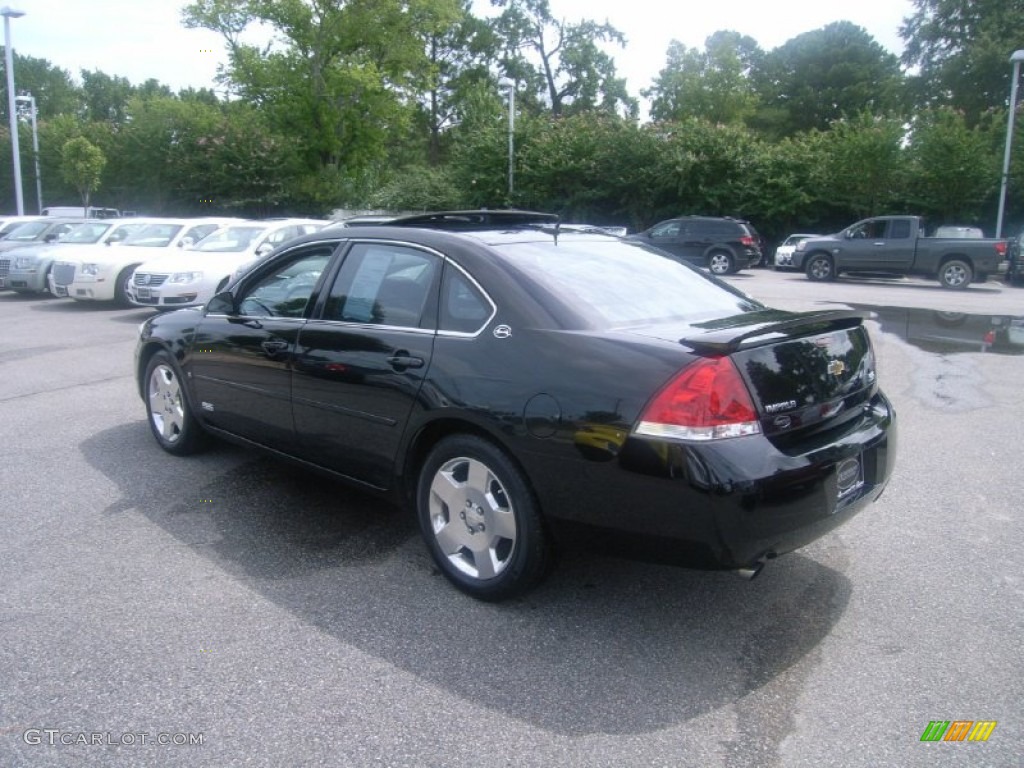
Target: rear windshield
x: 614, y: 283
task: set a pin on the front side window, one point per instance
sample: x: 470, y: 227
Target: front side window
x: 868, y: 230
x: 668, y: 229
x: 285, y: 290
x: 384, y: 284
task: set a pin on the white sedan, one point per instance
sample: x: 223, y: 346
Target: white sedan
x: 105, y: 273
x: 193, y: 276
x: 784, y: 253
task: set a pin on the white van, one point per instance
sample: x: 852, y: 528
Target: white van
x: 90, y: 212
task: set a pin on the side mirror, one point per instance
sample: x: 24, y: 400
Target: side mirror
x: 185, y: 242
x: 264, y: 249
x: 50, y: 238
x: 222, y: 304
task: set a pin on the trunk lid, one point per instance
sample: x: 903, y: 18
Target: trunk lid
x: 803, y: 370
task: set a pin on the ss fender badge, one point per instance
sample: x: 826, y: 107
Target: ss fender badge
x: 502, y: 331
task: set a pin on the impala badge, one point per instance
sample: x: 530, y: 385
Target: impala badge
x: 502, y: 331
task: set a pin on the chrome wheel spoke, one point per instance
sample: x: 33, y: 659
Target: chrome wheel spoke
x: 486, y: 563
x: 502, y: 524
x: 447, y: 491
x: 449, y: 538
x: 479, y: 477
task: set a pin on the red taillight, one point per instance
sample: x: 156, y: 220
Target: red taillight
x: 1001, y: 247
x: 705, y: 401
x: 748, y: 241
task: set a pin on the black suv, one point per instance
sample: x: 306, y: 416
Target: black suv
x: 724, y: 245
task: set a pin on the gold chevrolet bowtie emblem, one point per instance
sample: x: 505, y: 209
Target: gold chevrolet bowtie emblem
x: 836, y: 367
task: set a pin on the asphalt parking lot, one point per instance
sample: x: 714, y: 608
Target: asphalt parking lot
x: 230, y: 610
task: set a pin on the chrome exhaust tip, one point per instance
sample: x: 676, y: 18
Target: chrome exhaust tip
x: 750, y: 573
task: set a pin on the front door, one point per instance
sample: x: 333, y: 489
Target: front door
x: 241, y: 363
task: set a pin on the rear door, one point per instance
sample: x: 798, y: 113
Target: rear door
x: 361, y: 362
x: 898, y: 251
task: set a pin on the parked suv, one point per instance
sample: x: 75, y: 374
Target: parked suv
x: 721, y: 244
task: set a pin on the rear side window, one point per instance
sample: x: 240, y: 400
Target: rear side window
x: 619, y: 283
x: 464, y: 309
x: 899, y: 229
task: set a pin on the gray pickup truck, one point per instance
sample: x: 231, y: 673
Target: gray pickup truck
x: 897, y: 245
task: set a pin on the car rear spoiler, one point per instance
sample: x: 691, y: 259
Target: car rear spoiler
x: 759, y: 332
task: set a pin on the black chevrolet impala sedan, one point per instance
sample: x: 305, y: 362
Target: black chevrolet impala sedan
x: 522, y: 388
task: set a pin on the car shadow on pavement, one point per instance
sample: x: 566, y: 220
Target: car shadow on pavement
x: 603, y: 646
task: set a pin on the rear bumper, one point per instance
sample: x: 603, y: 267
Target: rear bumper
x: 728, y: 505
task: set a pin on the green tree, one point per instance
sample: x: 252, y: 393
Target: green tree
x: 54, y: 89
x: 337, y: 78
x: 83, y: 166
x: 824, y: 75
x: 954, y: 167
x: 961, y: 51
x: 458, y: 57
x: 106, y: 97
x: 863, y: 167
x: 713, y: 84
x: 559, y: 64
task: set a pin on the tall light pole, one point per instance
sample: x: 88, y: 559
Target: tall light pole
x: 1016, y: 58
x: 10, y: 13
x: 511, y: 86
x: 29, y: 99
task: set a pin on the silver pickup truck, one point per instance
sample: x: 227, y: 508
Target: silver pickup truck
x: 897, y: 245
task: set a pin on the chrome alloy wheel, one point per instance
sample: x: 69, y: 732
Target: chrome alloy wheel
x: 472, y: 518
x: 720, y: 263
x: 955, y: 275
x: 166, y: 408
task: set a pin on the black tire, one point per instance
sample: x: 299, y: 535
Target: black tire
x: 121, y: 286
x: 168, y: 411
x: 819, y: 268
x: 480, y: 519
x: 955, y: 274
x: 721, y: 263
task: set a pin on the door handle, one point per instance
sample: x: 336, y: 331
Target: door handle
x: 273, y: 347
x: 403, y: 360
x: 877, y: 244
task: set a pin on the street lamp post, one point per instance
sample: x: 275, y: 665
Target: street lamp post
x: 511, y: 86
x: 1016, y: 58
x: 10, y: 13
x: 29, y: 99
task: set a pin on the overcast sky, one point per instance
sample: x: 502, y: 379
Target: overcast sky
x: 141, y: 39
